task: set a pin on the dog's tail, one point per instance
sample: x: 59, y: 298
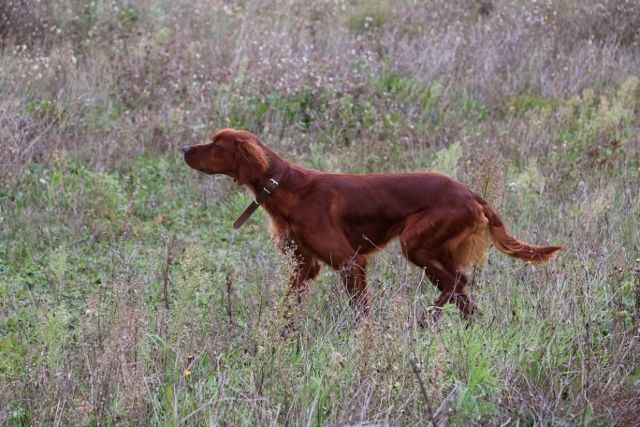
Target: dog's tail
x: 510, y: 245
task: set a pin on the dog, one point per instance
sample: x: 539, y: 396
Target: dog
x: 340, y: 219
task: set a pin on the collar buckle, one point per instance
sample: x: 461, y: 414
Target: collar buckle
x: 269, y: 187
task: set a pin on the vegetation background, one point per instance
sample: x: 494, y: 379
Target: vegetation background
x: 126, y: 298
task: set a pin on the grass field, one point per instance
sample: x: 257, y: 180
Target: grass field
x: 127, y: 299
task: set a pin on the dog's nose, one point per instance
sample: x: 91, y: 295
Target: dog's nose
x: 186, y: 148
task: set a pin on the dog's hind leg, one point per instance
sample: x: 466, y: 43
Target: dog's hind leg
x: 452, y: 286
x: 427, y: 242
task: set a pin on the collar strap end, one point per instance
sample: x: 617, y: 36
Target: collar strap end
x: 271, y: 185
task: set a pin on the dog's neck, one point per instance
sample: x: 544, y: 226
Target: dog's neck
x: 263, y: 185
x: 278, y: 168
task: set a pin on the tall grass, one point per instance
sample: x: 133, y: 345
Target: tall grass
x: 127, y: 299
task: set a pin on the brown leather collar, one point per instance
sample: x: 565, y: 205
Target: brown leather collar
x: 269, y: 188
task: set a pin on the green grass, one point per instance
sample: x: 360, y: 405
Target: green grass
x: 82, y: 287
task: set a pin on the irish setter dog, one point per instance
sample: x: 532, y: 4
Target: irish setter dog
x: 339, y: 219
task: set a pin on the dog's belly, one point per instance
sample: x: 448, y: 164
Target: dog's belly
x: 368, y: 238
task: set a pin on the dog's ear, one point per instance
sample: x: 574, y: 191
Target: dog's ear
x: 251, y: 159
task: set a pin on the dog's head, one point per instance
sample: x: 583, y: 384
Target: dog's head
x: 231, y: 152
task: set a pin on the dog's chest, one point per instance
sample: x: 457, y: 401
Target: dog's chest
x: 281, y: 232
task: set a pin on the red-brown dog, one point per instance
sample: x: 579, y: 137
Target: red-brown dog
x: 338, y: 219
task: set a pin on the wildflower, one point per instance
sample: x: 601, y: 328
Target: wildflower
x: 186, y: 373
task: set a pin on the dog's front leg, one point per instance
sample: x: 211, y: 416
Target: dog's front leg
x: 354, y: 276
x: 305, y: 270
x: 336, y: 251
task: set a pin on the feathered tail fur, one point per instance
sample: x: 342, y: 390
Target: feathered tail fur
x: 511, y: 246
